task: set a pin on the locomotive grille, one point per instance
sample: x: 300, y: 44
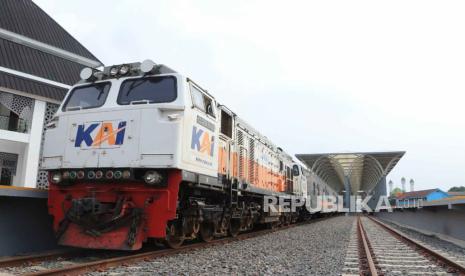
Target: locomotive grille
x: 242, y: 162
x: 242, y: 154
x: 251, y: 160
x: 240, y: 138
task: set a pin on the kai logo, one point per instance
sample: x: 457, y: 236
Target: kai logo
x: 202, y: 142
x: 100, y: 134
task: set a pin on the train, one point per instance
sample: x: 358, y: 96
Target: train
x: 138, y: 152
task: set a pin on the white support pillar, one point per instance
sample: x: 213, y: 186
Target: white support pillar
x: 18, y: 179
x: 32, y: 151
x: 347, y: 186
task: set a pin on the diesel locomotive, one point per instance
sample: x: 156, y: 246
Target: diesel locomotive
x: 139, y: 152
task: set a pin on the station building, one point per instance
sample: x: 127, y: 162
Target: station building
x: 39, y: 60
x: 412, y: 198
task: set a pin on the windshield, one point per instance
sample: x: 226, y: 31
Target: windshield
x: 148, y: 90
x: 89, y: 96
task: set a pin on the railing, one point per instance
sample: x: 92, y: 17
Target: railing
x: 13, y: 124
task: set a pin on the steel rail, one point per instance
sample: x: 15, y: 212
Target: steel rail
x: 103, y: 264
x: 39, y: 257
x: 366, y: 249
x: 459, y: 268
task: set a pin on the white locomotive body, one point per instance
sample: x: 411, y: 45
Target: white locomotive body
x: 136, y: 133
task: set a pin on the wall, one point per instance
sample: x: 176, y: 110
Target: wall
x: 436, y: 196
x: 17, y: 148
x: 445, y: 223
x: 27, y: 146
x: 25, y: 226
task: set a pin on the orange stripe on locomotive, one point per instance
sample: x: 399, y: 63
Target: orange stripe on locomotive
x: 263, y: 177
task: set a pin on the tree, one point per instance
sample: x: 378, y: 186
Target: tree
x: 396, y: 191
x: 457, y: 189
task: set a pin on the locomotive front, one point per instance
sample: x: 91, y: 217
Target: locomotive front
x: 113, y: 153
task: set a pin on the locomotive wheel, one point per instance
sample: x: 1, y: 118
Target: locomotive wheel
x: 174, y: 237
x: 288, y: 220
x: 158, y: 242
x: 273, y: 225
x: 234, y: 227
x: 207, y: 231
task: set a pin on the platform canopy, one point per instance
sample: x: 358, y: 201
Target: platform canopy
x: 363, y: 170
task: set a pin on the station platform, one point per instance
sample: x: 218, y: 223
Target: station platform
x: 12, y: 191
x: 444, y: 219
x: 25, y: 225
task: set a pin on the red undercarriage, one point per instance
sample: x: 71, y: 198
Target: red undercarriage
x: 112, y: 215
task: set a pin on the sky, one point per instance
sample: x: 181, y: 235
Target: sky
x: 313, y: 76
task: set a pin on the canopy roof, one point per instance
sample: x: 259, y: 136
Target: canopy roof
x: 363, y: 169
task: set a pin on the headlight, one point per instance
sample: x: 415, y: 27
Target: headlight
x: 114, y: 71
x: 124, y: 70
x: 147, y: 66
x: 86, y: 73
x: 152, y: 177
x: 56, y: 177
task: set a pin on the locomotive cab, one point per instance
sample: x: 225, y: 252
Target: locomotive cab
x: 155, y: 119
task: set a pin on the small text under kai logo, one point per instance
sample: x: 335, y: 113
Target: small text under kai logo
x: 201, y: 141
x: 100, y: 134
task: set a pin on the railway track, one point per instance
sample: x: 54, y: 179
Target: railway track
x: 46, y: 261
x: 40, y: 257
x: 74, y: 263
x: 385, y: 251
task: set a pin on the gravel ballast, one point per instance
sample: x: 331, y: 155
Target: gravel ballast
x: 314, y: 249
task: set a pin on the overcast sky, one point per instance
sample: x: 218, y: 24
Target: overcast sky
x: 326, y: 76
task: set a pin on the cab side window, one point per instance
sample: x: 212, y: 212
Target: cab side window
x: 197, y: 98
x: 295, y: 170
x: 202, y: 101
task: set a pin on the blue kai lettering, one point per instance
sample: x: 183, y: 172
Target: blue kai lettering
x: 202, y: 142
x: 83, y: 135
